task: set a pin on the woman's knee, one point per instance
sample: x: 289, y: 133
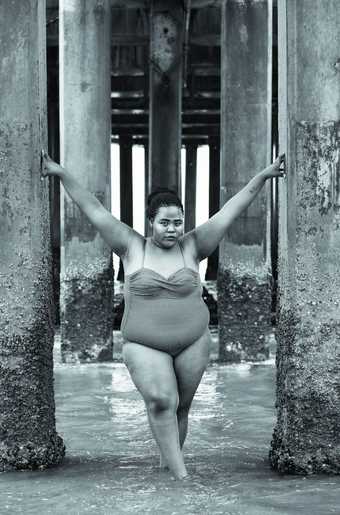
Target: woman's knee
x: 160, y: 401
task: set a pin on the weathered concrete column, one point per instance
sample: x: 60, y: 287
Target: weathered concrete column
x: 27, y: 412
x: 214, y: 200
x: 243, y: 279
x: 190, y: 186
x: 126, y: 207
x: 306, y: 437
x: 166, y: 40
x: 85, y: 127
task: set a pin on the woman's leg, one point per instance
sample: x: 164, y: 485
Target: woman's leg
x: 152, y: 372
x: 189, y: 367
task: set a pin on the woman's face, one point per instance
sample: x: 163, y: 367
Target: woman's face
x: 167, y: 226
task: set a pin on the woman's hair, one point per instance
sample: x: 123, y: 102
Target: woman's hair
x: 161, y: 197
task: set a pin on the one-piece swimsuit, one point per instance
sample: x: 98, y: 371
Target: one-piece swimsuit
x: 165, y: 313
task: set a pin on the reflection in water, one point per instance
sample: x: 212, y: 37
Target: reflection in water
x: 112, y: 460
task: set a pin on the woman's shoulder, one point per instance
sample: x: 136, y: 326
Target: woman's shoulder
x: 135, y: 248
x: 188, y: 240
x: 188, y: 244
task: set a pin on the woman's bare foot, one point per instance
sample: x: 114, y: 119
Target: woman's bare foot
x: 181, y: 477
x: 163, y: 464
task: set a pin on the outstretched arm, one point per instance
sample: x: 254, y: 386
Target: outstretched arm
x: 207, y: 236
x: 116, y: 234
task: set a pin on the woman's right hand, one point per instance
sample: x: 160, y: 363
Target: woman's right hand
x: 48, y: 166
x: 276, y: 169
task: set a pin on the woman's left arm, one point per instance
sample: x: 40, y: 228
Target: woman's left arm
x: 208, y: 235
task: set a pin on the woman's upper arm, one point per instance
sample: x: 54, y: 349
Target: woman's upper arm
x: 208, y: 235
x: 116, y: 233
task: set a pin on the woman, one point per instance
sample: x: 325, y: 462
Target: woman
x: 165, y: 323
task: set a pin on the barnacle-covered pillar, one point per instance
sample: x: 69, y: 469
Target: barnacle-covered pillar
x: 306, y: 436
x: 85, y: 127
x: 28, y: 437
x: 244, y: 292
x: 166, y: 49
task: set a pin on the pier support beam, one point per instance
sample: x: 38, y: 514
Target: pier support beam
x: 54, y: 195
x: 126, y: 207
x: 85, y: 123
x: 190, y: 187
x: 27, y: 411
x: 306, y: 436
x: 244, y: 294
x: 214, y: 200
x: 166, y: 49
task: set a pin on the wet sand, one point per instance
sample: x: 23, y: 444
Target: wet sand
x: 112, y: 462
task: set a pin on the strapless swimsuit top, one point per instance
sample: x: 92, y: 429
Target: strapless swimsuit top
x: 149, y: 283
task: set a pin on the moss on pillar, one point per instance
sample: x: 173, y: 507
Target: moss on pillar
x: 27, y: 423
x: 87, y: 313
x: 243, y: 315
x: 306, y: 437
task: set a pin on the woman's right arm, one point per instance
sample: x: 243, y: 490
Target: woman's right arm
x: 116, y: 234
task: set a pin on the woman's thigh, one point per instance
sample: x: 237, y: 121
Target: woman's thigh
x: 189, y: 367
x: 152, y: 371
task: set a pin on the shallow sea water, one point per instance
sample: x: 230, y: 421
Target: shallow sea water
x: 111, y: 466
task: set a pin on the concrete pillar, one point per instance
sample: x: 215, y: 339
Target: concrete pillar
x: 306, y: 436
x: 166, y: 48
x: 27, y: 412
x: 243, y: 279
x: 273, y: 220
x: 190, y: 187
x: 85, y: 127
x: 214, y: 200
x: 126, y: 211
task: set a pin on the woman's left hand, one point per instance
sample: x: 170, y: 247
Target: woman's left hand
x: 276, y: 169
x: 48, y: 166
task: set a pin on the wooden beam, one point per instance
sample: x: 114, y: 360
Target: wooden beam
x: 187, y: 120
x: 145, y: 4
x: 199, y: 139
x: 138, y: 4
x: 142, y: 129
x: 140, y: 94
x: 189, y: 102
x: 130, y: 72
x: 140, y: 112
x: 136, y: 40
